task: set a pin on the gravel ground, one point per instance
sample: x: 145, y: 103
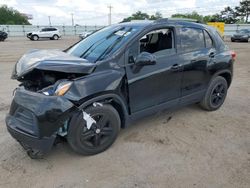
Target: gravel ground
x: 185, y: 148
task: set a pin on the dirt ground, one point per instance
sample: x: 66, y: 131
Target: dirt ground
x: 185, y: 148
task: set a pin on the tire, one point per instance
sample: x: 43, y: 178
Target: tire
x: 232, y: 40
x: 55, y: 37
x: 215, y: 94
x: 35, y: 37
x: 100, y: 136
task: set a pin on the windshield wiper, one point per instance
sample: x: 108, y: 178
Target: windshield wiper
x: 110, y: 48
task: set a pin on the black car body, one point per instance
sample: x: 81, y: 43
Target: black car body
x: 128, y: 71
x: 242, y: 35
x: 3, y: 35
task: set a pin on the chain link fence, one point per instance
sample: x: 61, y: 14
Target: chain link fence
x: 22, y: 30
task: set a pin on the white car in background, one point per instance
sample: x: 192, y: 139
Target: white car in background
x: 47, y: 32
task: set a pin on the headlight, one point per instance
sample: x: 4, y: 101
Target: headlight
x: 245, y: 36
x: 62, y: 88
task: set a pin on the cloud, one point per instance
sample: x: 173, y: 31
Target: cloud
x: 95, y: 12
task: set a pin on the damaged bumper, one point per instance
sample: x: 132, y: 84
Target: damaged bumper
x: 34, y: 118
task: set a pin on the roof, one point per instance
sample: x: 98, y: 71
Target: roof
x: 175, y: 21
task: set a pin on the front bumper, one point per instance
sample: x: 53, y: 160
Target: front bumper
x: 34, y: 118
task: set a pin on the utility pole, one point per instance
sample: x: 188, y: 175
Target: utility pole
x: 72, y: 19
x: 49, y: 21
x: 109, y: 18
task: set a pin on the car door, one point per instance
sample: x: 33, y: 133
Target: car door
x: 198, y: 54
x: 43, y: 33
x: 152, y: 85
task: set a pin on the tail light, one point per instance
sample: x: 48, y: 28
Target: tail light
x: 233, y: 54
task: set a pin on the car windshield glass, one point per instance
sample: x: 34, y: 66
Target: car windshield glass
x: 103, y: 43
x: 244, y: 31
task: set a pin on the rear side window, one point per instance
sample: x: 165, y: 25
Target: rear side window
x: 192, y: 39
x: 208, y: 40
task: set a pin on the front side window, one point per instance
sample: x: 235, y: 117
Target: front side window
x: 192, y: 39
x: 158, y: 42
x: 45, y: 30
x: 208, y: 40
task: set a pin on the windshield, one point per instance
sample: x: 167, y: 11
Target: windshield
x: 244, y: 31
x: 103, y: 43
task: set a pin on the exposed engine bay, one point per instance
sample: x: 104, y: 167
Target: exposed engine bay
x: 40, y: 79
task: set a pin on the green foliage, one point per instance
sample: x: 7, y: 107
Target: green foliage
x: 228, y: 15
x: 243, y: 11
x: 142, y: 16
x: 239, y: 14
x: 193, y: 15
x: 10, y: 16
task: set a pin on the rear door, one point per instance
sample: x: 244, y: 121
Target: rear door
x: 156, y: 84
x: 198, y: 54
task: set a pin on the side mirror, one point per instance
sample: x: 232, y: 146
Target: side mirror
x: 145, y: 58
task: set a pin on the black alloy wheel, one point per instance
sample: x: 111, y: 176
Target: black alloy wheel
x: 215, y: 95
x: 218, y: 95
x: 101, y: 134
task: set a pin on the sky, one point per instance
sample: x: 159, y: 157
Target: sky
x: 95, y: 12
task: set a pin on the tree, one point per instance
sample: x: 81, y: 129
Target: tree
x: 243, y: 11
x: 192, y: 15
x: 228, y: 15
x: 142, y: 16
x: 11, y: 16
x: 157, y: 15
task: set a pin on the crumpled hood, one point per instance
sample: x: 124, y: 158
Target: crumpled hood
x: 51, y: 60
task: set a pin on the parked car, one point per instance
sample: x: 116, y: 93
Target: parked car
x: 123, y: 72
x: 241, y: 35
x: 47, y: 32
x: 3, y: 35
x: 85, y: 34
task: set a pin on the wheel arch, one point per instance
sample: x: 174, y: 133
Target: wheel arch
x: 113, y: 99
x: 225, y: 74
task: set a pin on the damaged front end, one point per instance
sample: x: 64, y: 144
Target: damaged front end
x: 39, y: 110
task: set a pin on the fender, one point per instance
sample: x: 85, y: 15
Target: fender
x: 104, y: 81
x: 225, y: 71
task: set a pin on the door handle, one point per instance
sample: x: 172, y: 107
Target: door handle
x: 176, y: 67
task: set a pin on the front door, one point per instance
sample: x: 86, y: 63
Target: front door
x: 151, y: 85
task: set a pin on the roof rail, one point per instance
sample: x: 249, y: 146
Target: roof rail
x: 161, y: 20
x: 176, y: 19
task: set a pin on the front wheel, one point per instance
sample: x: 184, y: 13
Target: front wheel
x: 35, y: 37
x: 100, y: 136
x: 215, y: 94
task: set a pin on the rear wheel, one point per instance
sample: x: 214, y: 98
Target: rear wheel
x: 101, y: 134
x: 232, y: 40
x: 55, y: 37
x: 215, y: 95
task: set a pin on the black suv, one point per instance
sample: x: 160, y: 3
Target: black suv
x: 3, y: 35
x: 123, y: 72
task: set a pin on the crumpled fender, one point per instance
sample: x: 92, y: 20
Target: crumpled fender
x: 99, y: 82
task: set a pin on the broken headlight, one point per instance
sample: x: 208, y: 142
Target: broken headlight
x: 62, y: 88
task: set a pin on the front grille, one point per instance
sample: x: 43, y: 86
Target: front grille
x: 27, y: 121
